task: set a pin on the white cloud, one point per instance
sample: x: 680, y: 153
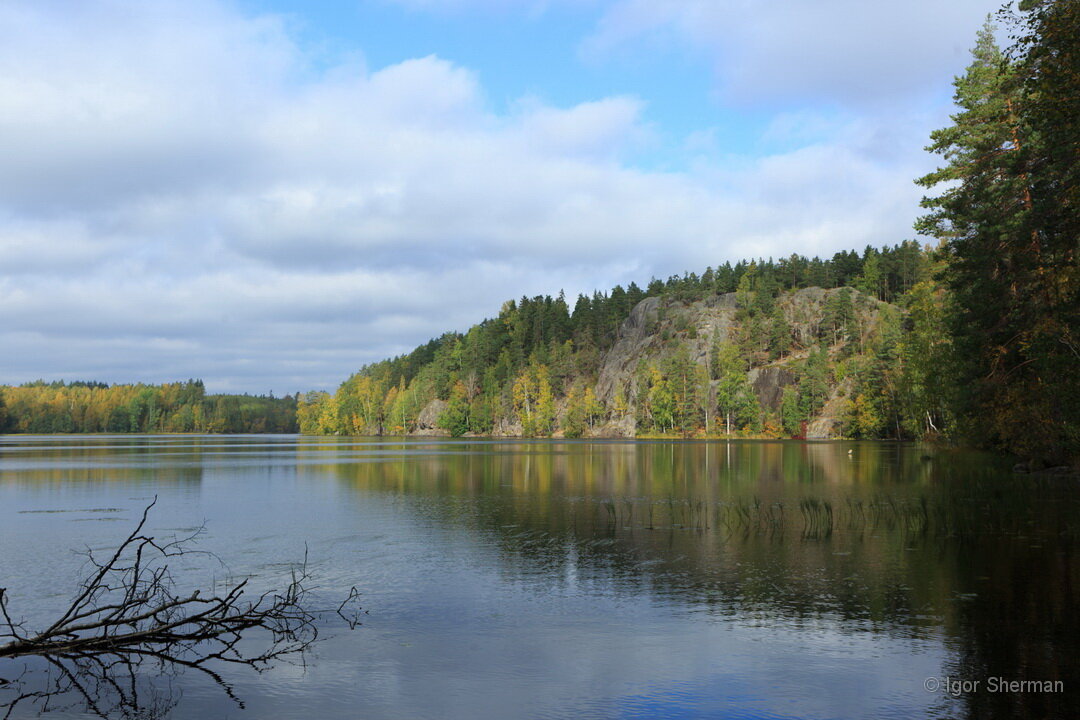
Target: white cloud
x: 817, y: 50
x: 183, y: 195
x: 598, y: 129
x: 848, y: 51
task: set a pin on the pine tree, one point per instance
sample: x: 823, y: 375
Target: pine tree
x: 814, y: 385
x: 1009, y: 226
x: 682, y: 380
x: 789, y: 411
x: 1043, y: 373
x: 977, y: 218
x: 779, y: 334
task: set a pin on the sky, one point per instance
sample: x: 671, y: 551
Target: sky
x: 270, y: 194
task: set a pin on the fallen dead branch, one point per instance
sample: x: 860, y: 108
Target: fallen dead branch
x: 128, y: 612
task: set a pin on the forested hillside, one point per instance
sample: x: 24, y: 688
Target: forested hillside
x: 79, y: 407
x: 978, y: 339
x: 776, y: 348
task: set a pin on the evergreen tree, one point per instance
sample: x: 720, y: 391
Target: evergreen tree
x: 660, y: 400
x: 1042, y: 371
x: 682, y: 381
x: 790, y: 416
x: 1009, y: 226
x: 779, y: 334
x: 814, y: 385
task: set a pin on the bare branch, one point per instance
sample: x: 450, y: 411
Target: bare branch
x: 128, y: 612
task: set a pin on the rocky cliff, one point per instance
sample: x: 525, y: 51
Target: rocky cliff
x: 659, y: 325
x: 809, y: 341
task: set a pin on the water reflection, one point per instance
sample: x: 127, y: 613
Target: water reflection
x: 619, y: 579
x: 100, y: 459
x: 895, y: 539
x: 103, y: 687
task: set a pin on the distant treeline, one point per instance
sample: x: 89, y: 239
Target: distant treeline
x: 181, y: 407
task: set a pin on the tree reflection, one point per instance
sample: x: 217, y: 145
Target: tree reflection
x: 107, y: 686
x: 886, y: 538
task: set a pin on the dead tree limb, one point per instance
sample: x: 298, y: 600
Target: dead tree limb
x: 128, y: 611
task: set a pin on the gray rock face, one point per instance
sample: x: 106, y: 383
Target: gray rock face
x: 647, y: 333
x: 769, y: 383
x: 429, y: 416
x: 827, y: 424
x: 634, y: 340
x: 623, y: 427
x: 507, y: 427
x: 657, y: 326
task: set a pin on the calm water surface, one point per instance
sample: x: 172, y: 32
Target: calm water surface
x: 585, y: 579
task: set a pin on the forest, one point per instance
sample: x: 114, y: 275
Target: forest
x: 972, y: 337
x: 534, y: 370
x: 181, y: 407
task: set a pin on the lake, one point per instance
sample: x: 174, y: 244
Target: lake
x: 581, y: 579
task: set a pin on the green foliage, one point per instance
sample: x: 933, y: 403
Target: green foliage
x: 387, y: 397
x: 575, y: 420
x: 928, y: 380
x: 545, y: 405
x: 658, y: 406
x: 316, y: 414
x: 865, y: 419
x: 481, y: 415
x: 680, y: 373
x: 735, y: 398
x: 79, y: 407
x: 594, y: 409
x: 362, y: 404
x: 1009, y: 220
x: 814, y: 383
x: 839, y: 322
x: 534, y: 401
x: 746, y: 290
x: 455, y: 418
x: 871, y: 282
x: 980, y: 334
x: 779, y: 334
x: 790, y: 415
x: 673, y: 395
x: 879, y: 400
